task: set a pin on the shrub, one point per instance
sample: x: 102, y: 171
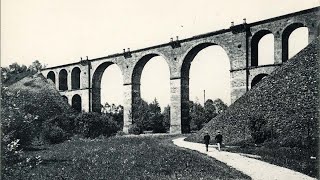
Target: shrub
x: 65, y: 122
x: 58, y: 128
x: 92, y: 125
x: 134, y: 129
x: 15, y: 123
x: 110, y: 126
x: 54, y: 134
x: 17, y: 131
x: 158, y: 125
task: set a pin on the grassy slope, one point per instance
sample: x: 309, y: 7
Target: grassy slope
x: 39, y: 97
x: 288, y: 99
x: 126, y: 158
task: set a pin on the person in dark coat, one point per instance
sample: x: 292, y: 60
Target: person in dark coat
x: 206, y: 139
x: 218, y: 139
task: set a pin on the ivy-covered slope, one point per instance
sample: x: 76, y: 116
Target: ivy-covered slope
x: 287, y: 101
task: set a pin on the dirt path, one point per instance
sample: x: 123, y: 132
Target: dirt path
x: 257, y: 170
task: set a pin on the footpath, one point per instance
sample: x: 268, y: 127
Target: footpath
x: 256, y: 169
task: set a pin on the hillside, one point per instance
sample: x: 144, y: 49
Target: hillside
x: 16, y: 77
x: 37, y: 96
x: 285, y: 105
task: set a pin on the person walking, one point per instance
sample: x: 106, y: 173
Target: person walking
x: 218, y: 139
x: 206, y: 139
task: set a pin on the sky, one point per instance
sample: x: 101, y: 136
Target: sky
x: 59, y: 32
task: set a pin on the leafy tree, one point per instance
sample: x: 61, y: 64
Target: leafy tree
x: 156, y: 117
x: 220, y: 106
x: 209, y: 110
x: 140, y: 115
x: 14, y: 72
x: 118, y: 116
x: 147, y: 117
x: 115, y: 111
x: 197, y: 115
x: 16, y: 68
x: 166, y: 117
x: 36, y: 66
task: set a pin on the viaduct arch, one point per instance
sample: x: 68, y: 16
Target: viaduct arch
x: 80, y: 83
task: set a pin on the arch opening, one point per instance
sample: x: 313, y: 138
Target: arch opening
x: 298, y: 40
x: 97, y: 87
x: 63, y: 80
x: 52, y: 76
x: 257, y: 79
x: 205, y: 75
x: 76, y: 103
x: 75, y: 78
x: 151, y: 81
x: 293, y: 44
x: 112, y: 89
x: 65, y: 98
x: 262, y: 48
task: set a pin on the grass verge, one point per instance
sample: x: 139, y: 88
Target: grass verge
x: 135, y: 157
x: 298, y: 159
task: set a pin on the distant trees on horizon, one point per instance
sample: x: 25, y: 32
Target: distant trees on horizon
x: 14, y: 72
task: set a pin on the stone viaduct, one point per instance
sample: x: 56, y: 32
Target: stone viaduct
x: 80, y: 83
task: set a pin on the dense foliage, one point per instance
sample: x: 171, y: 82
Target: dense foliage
x: 92, y: 125
x: 16, y: 72
x: 33, y: 113
x: 116, y: 111
x: 59, y: 128
x: 18, y: 130
x: 148, y: 117
x: 199, y: 115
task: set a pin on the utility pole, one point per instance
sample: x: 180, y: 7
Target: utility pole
x: 204, y: 96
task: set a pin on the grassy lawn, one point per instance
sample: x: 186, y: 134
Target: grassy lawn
x: 292, y: 158
x: 133, y: 157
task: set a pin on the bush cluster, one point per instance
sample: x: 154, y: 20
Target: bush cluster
x: 135, y: 129
x: 92, y: 125
x: 59, y: 128
x: 17, y: 131
x: 15, y: 123
x: 88, y: 125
